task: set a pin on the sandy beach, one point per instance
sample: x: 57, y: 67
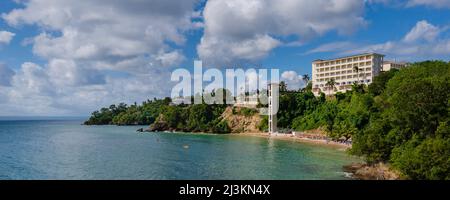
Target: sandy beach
x: 300, y: 139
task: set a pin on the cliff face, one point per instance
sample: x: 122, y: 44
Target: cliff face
x: 159, y: 125
x: 240, y: 120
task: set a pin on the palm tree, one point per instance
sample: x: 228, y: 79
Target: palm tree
x: 283, y: 86
x: 364, y: 77
x: 356, y: 69
x: 306, y: 78
x: 330, y: 85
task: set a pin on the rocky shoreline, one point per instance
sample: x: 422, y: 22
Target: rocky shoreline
x: 378, y: 171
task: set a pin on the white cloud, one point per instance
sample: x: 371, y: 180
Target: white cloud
x: 238, y: 30
x: 293, y: 80
x: 32, y: 79
x: 216, y: 51
x: 6, y: 75
x: 99, y: 52
x: 35, y: 90
x: 167, y: 59
x: 106, y: 31
x: 423, y: 41
x: 6, y: 37
x: 422, y: 30
x: 109, y: 32
x: 65, y: 72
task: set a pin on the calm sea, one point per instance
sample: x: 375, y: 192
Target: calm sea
x: 64, y: 149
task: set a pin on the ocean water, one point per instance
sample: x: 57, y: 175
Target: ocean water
x: 64, y: 149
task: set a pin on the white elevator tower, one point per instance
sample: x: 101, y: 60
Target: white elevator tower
x: 273, y: 89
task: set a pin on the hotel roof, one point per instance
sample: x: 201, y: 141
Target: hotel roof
x: 363, y: 54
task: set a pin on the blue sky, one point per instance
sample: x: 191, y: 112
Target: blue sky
x: 69, y: 58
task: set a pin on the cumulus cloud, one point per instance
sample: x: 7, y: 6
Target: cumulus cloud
x: 35, y: 91
x: 65, y: 72
x: 218, y: 51
x: 98, y: 51
x: 423, y: 41
x: 6, y: 75
x: 105, y: 32
x: 422, y: 31
x: 293, y: 80
x: 247, y: 31
x: 164, y: 59
x: 6, y: 37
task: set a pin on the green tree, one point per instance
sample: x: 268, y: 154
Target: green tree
x: 306, y: 78
x: 283, y: 86
x: 427, y: 159
x: 356, y: 69
x: 379, y: 82
x: 409, y: 121
x: 329, y: 116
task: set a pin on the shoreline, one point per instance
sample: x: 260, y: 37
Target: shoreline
x: 284, y: 137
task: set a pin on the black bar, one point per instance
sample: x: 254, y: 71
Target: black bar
x: 275, y: 189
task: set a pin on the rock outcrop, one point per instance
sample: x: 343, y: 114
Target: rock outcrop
x: 159, y: 125
x: 378, y: 171
x: 241, y: 123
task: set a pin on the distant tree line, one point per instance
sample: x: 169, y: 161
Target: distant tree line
x: 122, y: 114
x: 164, y: 115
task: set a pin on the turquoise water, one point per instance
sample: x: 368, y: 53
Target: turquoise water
x: 45, y: 149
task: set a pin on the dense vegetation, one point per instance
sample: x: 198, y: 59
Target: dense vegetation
x: 122, y: 114
x: 402, y: 118
x: 193, y: 118
x: 189, y: 118
x: 409, y: 122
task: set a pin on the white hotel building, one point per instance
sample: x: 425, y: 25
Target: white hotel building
x: 343, y: 71
x: 388, y: 65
